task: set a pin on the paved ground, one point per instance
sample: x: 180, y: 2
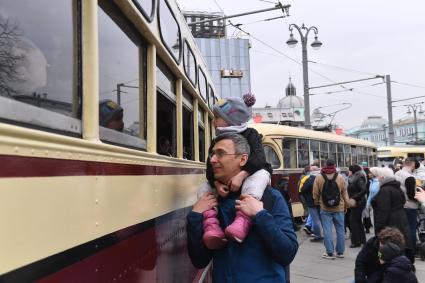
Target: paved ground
x: 308, y: 265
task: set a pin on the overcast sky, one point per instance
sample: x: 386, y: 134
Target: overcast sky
x: 366, y: 37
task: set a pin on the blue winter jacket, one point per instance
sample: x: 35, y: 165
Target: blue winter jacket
x: 270, y: 245
x: 373, y: 190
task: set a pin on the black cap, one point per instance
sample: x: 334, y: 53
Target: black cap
x: 389, y: 251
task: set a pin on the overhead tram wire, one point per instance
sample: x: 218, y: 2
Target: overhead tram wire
x: 342, y: 68
x: 237, y: 26
x: 407, y: 84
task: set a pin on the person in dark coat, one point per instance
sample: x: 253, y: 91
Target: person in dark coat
x: 397, y: 267
x: 368, y: 268
x: 388, y: 204
x: 357, y: 191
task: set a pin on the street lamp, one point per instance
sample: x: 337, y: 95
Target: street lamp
x: 414, y: 107
x: 316, y: 44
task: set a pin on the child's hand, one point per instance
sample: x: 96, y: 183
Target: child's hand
x: 249, y: 205
x: 206, y: 202
x: 222, y: 189
x: 236, y: 181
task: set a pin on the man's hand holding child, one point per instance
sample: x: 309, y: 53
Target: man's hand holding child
x: 249, y: 205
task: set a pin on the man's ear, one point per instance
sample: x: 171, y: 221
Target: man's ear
x: 244, y: 160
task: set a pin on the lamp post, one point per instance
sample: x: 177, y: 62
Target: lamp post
x: 414, y: 107
x: 316, y: 45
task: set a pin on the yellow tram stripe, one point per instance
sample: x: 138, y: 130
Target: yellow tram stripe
x: 73, y: 210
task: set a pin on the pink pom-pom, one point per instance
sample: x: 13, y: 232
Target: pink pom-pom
x: 249, y: 99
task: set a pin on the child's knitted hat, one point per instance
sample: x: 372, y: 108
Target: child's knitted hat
x: 234, y: 110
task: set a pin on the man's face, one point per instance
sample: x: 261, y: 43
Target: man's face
x: 225, y: 162
x: 116, y: 122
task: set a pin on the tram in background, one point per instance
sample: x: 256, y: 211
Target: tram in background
x: 392, y: 154
x: 83, y: 202
x: 289, y: 150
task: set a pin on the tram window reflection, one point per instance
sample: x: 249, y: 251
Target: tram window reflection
x: 40, y: 69
x: 340, y: 155
x: 289, y: 146
x: 166, y: 108
x: 120, y: 88
x: 303, y: 153
x: 271, y: 156
x: 170, y: 30
x: 188, y: 149
x: 314, y: 153
x: 201, y: 129
x: 324, y: 153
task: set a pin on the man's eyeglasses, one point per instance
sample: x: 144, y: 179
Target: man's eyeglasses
x: 220, y: 154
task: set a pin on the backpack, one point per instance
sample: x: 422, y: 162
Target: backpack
x: 331, y: 195
x: 302, y: 181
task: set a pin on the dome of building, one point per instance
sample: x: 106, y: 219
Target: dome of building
x: 291, y: 100
x: 373, y: 122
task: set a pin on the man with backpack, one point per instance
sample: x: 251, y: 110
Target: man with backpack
x: 330, y: 192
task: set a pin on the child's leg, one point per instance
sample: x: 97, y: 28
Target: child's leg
x: 255, y: 184
x: 213, y: 234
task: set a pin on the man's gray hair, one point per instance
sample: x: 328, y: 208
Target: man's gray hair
x: 241, y: 144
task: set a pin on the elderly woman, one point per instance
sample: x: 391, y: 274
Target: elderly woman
x: 388, y: 204
x: 357, y: 194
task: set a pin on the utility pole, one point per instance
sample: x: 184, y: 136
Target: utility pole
x: 390, y: 110
x: 119, y: 93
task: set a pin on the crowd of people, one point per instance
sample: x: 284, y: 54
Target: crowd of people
x: 392, y: 195
x: 246, y: 228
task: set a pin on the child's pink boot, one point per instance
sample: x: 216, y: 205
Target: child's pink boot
x: 239, y: 229
x: 213, y: 237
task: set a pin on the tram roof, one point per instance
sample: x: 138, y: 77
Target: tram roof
x: 403, y: 148
x: 271, y: 129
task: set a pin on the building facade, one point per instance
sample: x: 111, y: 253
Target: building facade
x: 289, y: 110
x: 375, y: 129
x: 227, y: 58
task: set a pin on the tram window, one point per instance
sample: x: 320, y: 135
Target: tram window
x: 201, y: 130
x: 212, y: 128
x: 369, y: 157
x: 353, y: 155
x: 146, y: 7
x: 347, y: 154
x: 202, y: 85
x: 303, y: 153
x: 271, y: 156
x: 340, y: 155
x: 332, y: 152
x: 289, y: 146
x: 210, y: 97
x: 187, y: 126
x: 189, y: 63
x: 314, y: 153
x: 324, y: 153
x: 166, y: 111
x: 40, y: 65
x: 375, y: 161
x: 364, y: 158
x: 170, y: 30
x: 120, y: 88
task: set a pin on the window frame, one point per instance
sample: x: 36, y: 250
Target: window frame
x: 177, y: 59
x: 145, y: 14
x: 185, y: 43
